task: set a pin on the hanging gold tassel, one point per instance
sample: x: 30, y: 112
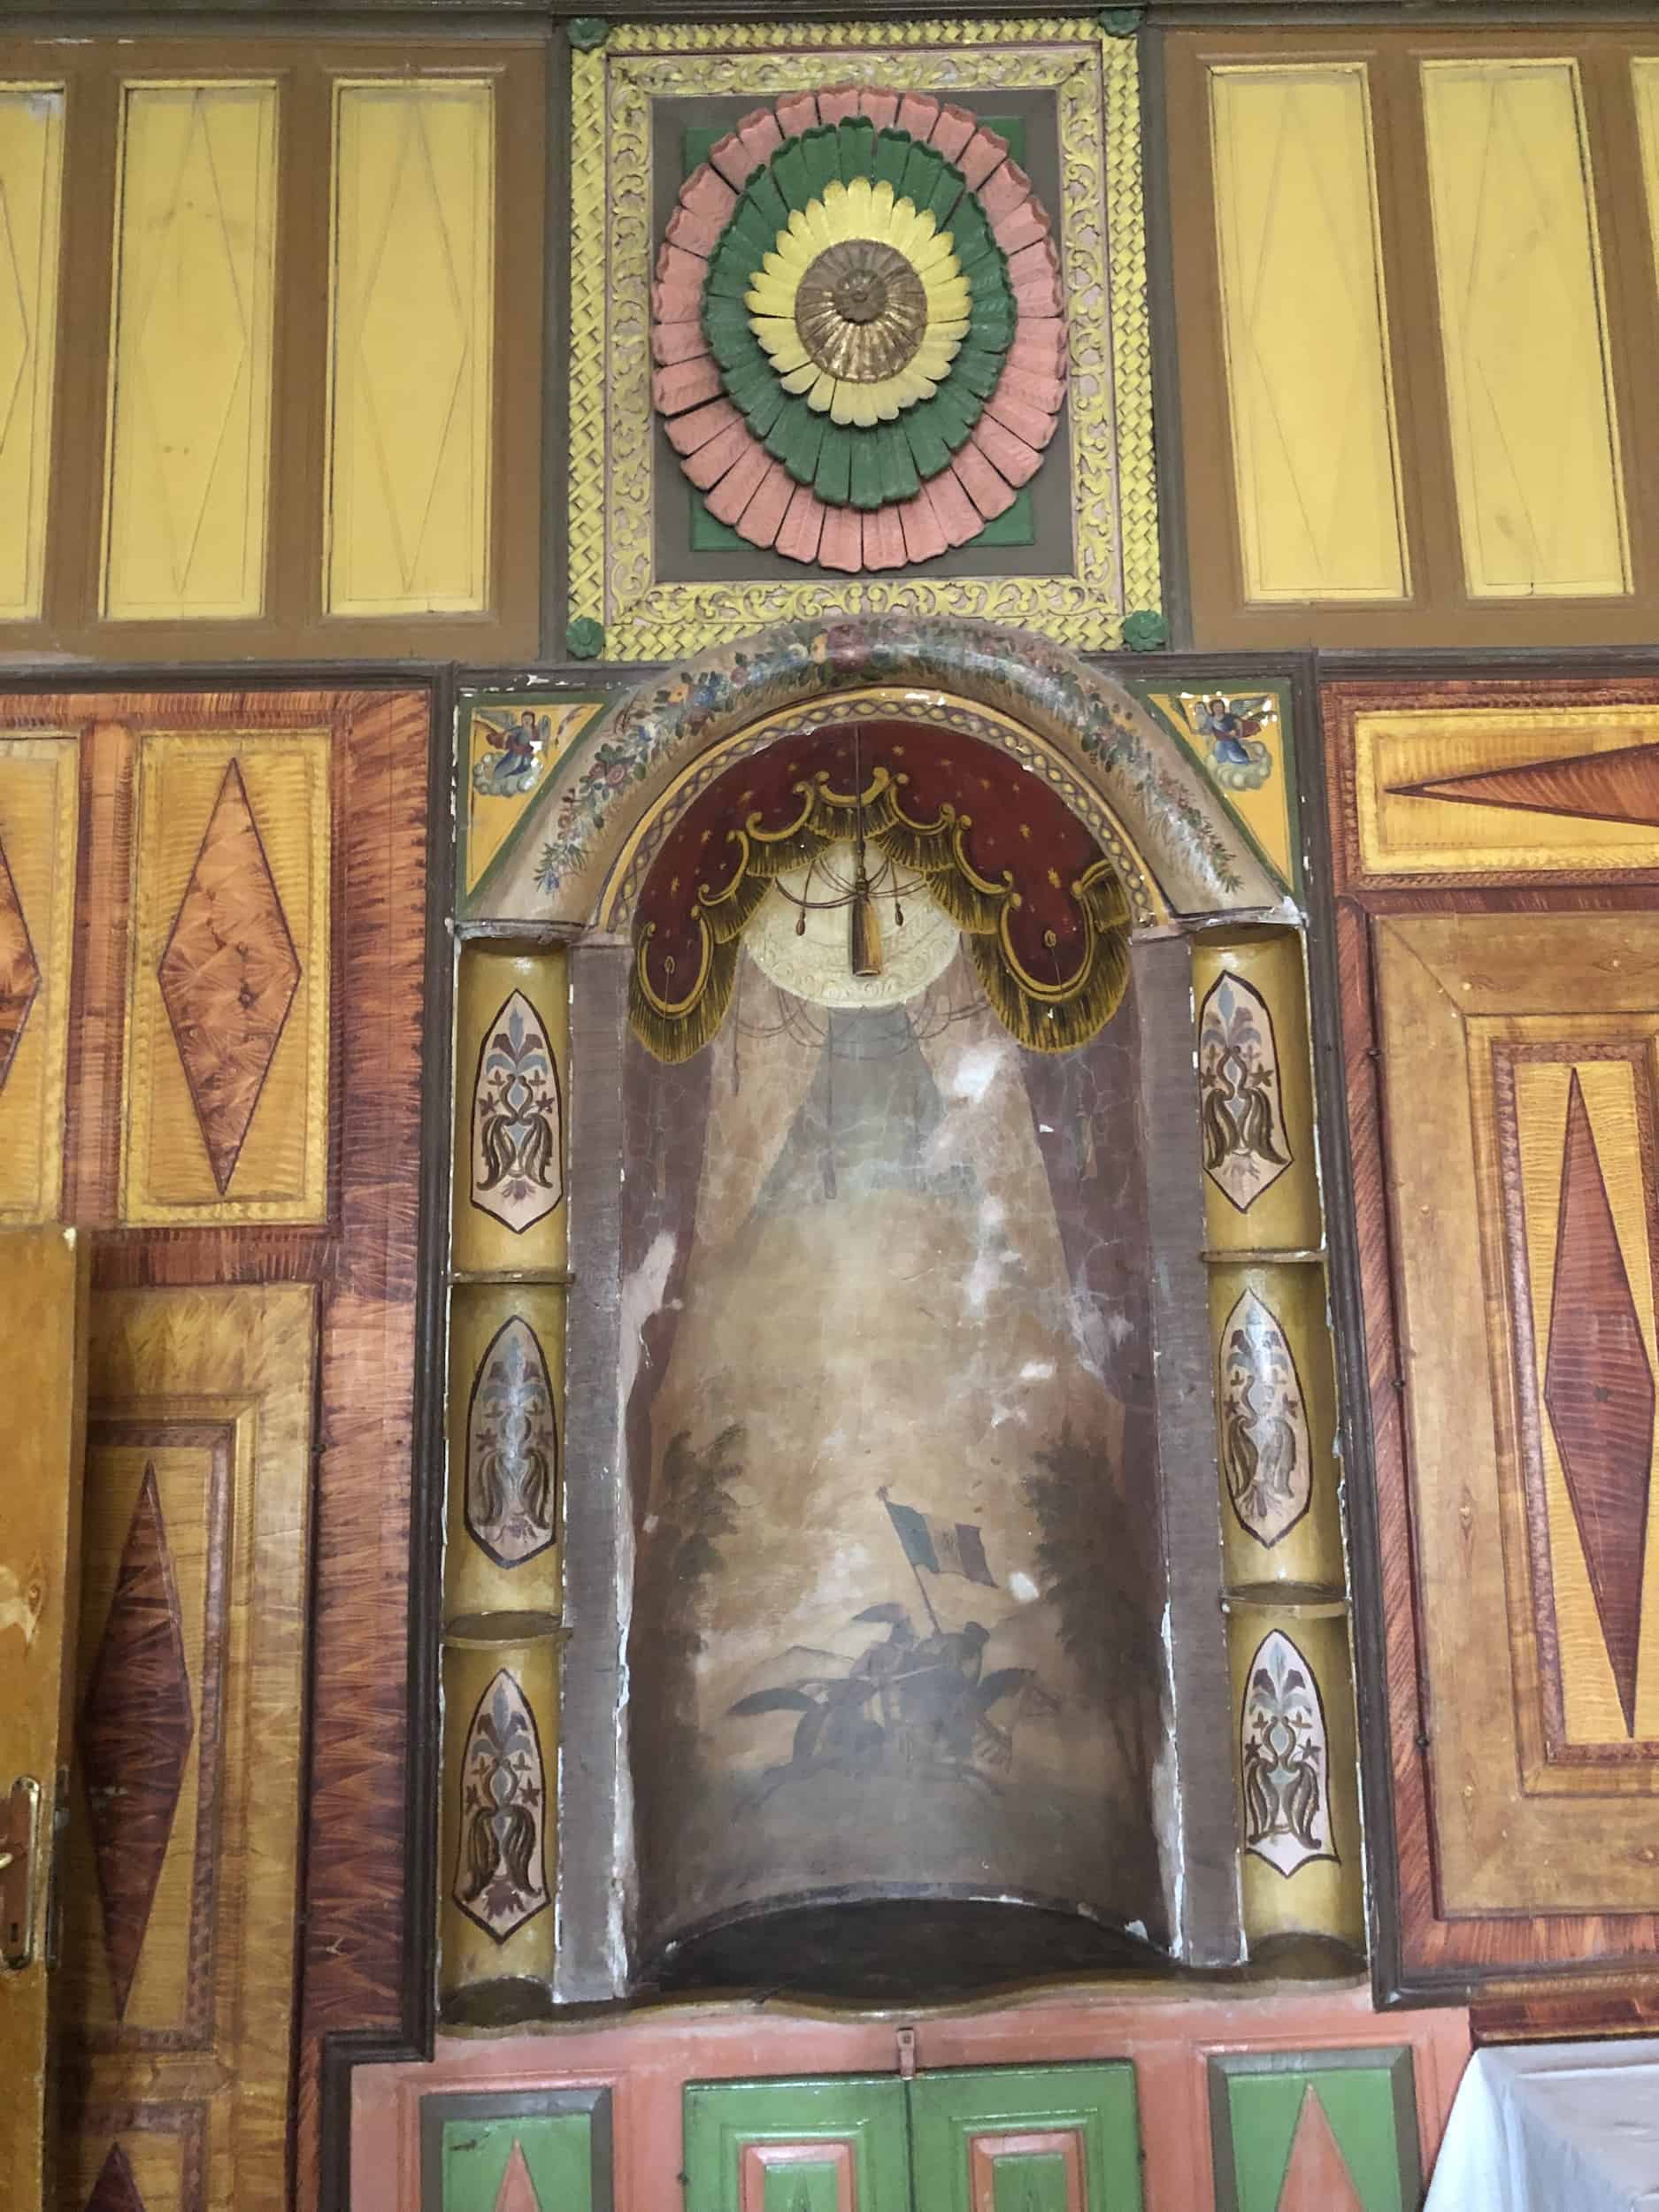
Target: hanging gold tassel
x: 865, y: 931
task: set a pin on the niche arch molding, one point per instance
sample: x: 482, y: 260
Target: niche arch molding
x: 593, y: 827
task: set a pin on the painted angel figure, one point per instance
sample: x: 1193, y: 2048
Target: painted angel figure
x: 518, y: 745
x: 1238, y: 758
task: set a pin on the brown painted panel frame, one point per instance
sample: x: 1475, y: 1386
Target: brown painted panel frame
x: 305, y: 65
x: 1532, y: 1976
x: 1438, y: 611
x: 365, y: 1948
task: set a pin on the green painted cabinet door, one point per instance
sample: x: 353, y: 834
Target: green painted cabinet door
x: 1027, y: 2139
x: 535, y: 2151
x: 841, y: 2145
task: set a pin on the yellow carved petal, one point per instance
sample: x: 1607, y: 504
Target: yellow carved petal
x: 887, y: 395
x: 771, y: 296
x: 860, y: 196
x: 821, y: 398
x: 934, y: 257
x: 821, y: 230
x: 881, y: 209
x: 801, y: 380
x: 934, y: 355
x: 777, y: 334
x: 912, y: 385
x: 949, y: 302
x: 913, y: 229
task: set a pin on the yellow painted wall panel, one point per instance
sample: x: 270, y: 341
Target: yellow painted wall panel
x: 189, y: 434
x: 1523, y: 330
x: 39, y: 793
x: 1315, y: 458
x: 410, y: 339
x: 226, y: 1070
x: 31, y: 186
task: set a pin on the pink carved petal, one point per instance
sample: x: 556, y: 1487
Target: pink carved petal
x: 1008, y: 189
x: 686, y: 384
x: 981, y: 483
x: 884, y: 539
x: 1039, y: 347
x: 696, y: 234
x: 882, y: 108
x: 1007, y: 452
x: 733, y: 160
x: 1044, y: 394
x: 689, y: 432
x: 953, y: 128
x: 839, y: 102
x: 763, y: 518
x: 678, y: 269
x: 923, y: 540
x: 803, y: 526
x: 984, y: 153
x: 760, y: 134
x: 1029, y: 425
x: 677, y: 342
x: 707, y: 193
x: 797, y: 111
x: 919, y: 112
x: 959, y: 518
x: 1023, y: 227
x: 710, y: 463
x: 842, y: 544
x: 731, y: 495
x: 1037, y: 286
x: 678, y: 301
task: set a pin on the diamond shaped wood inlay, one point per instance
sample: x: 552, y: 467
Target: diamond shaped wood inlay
x: 19, y: 970
x: 116, y: 2188
x: 1619, y: 786
x: 229, y: 976
x: 1599, y: 1390
x: 135, y: 1735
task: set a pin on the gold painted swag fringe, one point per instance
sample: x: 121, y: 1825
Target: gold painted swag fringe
x: 1056, y: 1013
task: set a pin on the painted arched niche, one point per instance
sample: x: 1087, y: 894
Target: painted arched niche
x: 1179, y: 852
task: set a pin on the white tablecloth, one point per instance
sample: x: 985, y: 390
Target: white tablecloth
x: 1553, y: 2127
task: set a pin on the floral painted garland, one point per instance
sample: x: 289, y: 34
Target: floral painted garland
x: 857, y: 330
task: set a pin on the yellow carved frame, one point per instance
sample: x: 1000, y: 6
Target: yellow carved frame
x: 1113, y: 491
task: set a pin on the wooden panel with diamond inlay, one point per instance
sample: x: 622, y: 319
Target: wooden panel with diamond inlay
x: 181, y: 1876
x: 38, y: 806
x: 1519, y: 1059
x: 227, y: 1037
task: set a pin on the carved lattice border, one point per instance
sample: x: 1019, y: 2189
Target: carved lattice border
x: 1095, y: 81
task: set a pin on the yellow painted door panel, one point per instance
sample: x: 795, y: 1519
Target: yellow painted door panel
x: 39, y: 801
x: 31, y: 188
x: 1534, y: 434
x: 410, y: 347
x: 42, y: 1317
x: 189, y: 433
x: 1315, y: 460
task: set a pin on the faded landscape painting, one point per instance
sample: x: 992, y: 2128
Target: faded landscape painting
x: 895, y: 1608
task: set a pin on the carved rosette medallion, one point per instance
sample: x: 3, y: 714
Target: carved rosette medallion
x: 1246, y: 1147
x: 501, y: 1868
x: 512, y: 1450
x: 1284, y: 1759
x: 517, y: 1163
x: 858, y: 327
x: 1266, y: 1456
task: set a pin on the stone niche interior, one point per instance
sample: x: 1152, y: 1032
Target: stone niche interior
x: 898, y: 1713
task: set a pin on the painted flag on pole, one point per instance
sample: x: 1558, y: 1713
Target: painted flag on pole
x: 944, y: 1548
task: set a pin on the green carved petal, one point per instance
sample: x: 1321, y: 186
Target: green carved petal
x: 856, y: 139
x: 926, y: 441
x: 893, y: 150
x: 868, y: 491
x: 897, y: 469
x: 796, y: 439
x: 834, y: 480
x: 765, y: 196
x: 789, y: 175
x: 820, y: 150
x: 921, y: 174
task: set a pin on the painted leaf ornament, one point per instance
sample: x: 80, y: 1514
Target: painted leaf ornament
x: 856, y: 323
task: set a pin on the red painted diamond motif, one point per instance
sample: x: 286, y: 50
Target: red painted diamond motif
x: 229, y: 976
x: 1599, y: 1389
x: 116, y: 2188
x: 19, y: 970
x: 135, y: 1735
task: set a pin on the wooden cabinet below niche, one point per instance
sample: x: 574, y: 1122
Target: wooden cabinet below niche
x: 212, y: 973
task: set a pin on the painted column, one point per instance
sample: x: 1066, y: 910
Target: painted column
x: 503, y: 1601
x: 1284, y: 1567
